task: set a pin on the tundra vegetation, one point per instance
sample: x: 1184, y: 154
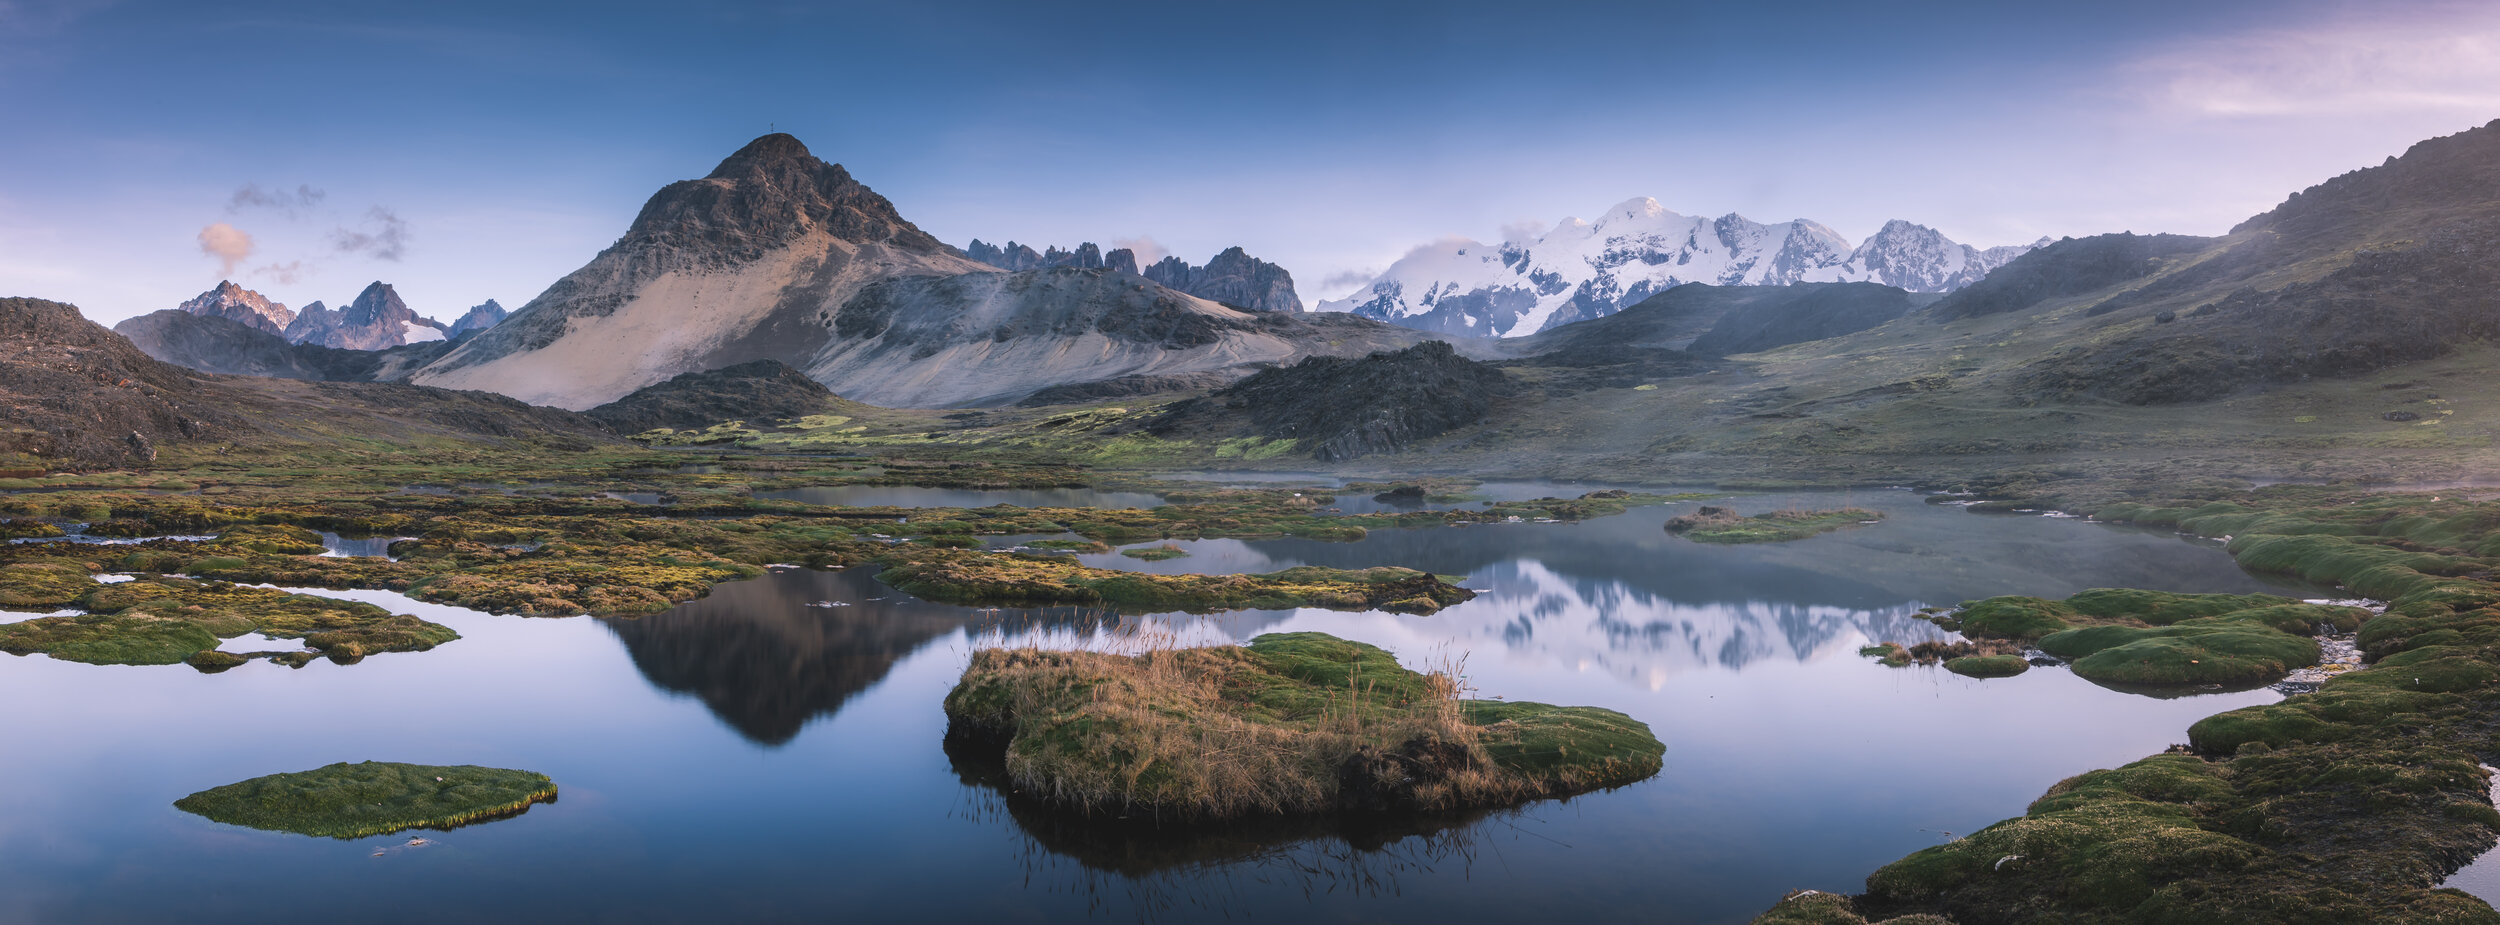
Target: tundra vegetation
x: 1292, y: 723
x: 372, y: 798
x: 524, y: 535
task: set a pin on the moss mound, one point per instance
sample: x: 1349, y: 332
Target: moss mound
x: 1988, y: 666
x: 372, y: 798
x: 2154, y: 638
x: 1292, y: 723
x: 1720, y: 525
x: 1156, y: 554
x: 43, y: 584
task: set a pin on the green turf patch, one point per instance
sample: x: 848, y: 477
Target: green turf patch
x: 372, y: 798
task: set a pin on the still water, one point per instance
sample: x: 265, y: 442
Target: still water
x: 750, y: 757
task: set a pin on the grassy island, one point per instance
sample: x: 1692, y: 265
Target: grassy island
x: 1292, y: 723
x: 1720, y: 525
x: 372, y: 798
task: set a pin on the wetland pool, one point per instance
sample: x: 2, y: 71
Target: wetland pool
x: 755, y: 756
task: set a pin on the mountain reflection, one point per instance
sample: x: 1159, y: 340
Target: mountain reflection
x: 767, y: 663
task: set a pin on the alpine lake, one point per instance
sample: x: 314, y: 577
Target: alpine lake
x: 774, y: 751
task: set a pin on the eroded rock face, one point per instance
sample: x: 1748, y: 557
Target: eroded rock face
x: 1233, y: 278
x: 241, y: 306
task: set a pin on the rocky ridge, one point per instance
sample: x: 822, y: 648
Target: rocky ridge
x: 1232, y: 277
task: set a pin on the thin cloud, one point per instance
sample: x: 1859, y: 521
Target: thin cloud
x: 387, y: 238
x: 229, y: 244
x: 1524, y: 231
x: 284, y: 274
x: 1347, y: 279
x: 303, y: 198
x: 2447, y: 59
x: 1147, y: 249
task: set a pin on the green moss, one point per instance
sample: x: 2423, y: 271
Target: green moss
x: 271, y: 539
x: 1157, y: 553
x: 1988, y: 666
x: 107, y: 639
x: 1889, y: 653
x: 2021, y: 618
x: 43, y: 584
x: 2199, y: 655
x: 372, y: 798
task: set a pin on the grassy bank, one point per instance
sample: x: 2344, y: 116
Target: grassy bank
x: 2348, y: 804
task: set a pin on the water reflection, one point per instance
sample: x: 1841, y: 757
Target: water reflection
x: 1163, y: 869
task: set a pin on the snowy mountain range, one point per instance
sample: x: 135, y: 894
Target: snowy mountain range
x: 1589, y: 269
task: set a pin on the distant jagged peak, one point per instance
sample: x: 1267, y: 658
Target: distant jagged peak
x: 242, y: 306
x: 480, y: 317
x: 376, y: 320
x: 1232, y: 277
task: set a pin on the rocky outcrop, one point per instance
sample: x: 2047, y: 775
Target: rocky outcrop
x: 74, y: 395
x: 376, y: 320
x: 1233, y: 278
x: 758, y: 392
x: 480, y: 317
x: 1340, y: 408
x: 241, y: 306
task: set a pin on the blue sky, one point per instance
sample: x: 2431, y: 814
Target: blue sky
x: 464, y: 151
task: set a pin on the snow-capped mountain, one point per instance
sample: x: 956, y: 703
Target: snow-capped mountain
x: 1590, y: 269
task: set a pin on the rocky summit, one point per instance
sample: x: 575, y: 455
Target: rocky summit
x: 242, y: 306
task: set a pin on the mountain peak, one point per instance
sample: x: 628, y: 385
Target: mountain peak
x: 242, y: 306
x: 776, y: 148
